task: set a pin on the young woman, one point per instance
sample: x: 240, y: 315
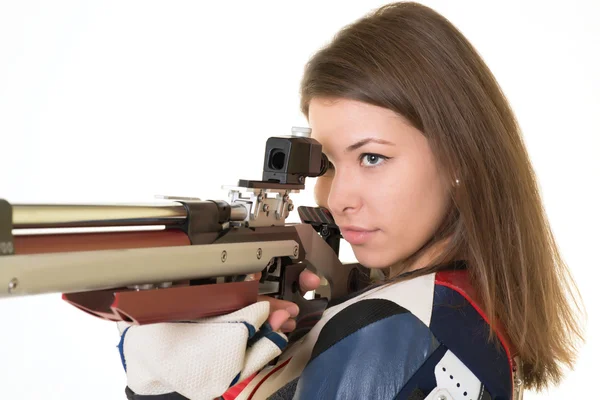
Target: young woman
x: 430, y: 183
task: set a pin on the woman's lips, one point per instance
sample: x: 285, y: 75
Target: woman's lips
x: 357, y: 236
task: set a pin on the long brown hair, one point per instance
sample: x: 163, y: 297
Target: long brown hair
x: 410, y: 59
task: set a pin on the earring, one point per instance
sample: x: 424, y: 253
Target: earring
x: 456, y: 182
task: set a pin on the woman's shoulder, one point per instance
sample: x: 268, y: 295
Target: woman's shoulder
x: 461, y: 326
x: 409, y: 331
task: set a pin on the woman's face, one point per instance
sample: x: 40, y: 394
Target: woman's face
x: 385, y: 191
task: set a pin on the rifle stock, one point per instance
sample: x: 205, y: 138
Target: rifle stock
x: 182, y: 258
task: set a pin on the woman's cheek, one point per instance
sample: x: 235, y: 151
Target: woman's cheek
x: 322, y: 188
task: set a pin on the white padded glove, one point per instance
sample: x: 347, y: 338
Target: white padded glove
x: 199, y: 359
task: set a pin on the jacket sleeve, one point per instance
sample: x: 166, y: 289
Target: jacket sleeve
x: 198, y: 359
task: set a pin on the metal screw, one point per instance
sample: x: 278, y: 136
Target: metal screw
x: 296, y: 251
x: 290, y: 207
x: 6, y: 248
x: 145, y: 286
x: 265, y: 207
x: 259, y: 253
x: 259, y: 198
x: 12, y: 285
x: 301, y: 179
x: 286, y: 198
x: 441, y: 397
x: 223, y: 256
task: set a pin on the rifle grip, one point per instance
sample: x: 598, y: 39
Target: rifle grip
x: 310, y: 310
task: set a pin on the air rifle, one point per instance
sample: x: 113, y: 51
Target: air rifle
x: 183, y: 258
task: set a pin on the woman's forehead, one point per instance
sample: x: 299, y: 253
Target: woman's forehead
x: 340, y: 123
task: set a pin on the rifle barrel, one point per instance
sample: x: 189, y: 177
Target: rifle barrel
x: 104, y: 215
x: 82, y: 215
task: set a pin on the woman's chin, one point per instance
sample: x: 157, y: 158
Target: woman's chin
x: 373, y: 259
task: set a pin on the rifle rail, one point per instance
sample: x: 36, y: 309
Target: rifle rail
x: 68, y: 272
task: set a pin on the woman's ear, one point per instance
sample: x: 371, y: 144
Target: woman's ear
x: 322, y: 188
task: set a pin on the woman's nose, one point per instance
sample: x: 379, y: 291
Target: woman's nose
x: 344, y: 194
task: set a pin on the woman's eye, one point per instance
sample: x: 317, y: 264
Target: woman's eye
x: 372, y: 160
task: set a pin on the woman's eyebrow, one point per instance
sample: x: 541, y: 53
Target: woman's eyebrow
x: 363, y: 142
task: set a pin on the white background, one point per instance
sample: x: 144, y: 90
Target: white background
x: 118, y: 101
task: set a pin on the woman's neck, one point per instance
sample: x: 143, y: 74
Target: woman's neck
x: 426, y: 259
